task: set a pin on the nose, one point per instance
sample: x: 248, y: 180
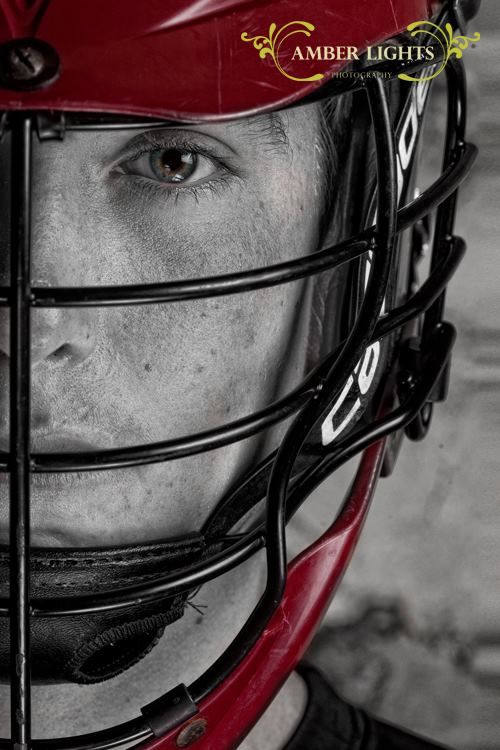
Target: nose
x: 60, y: 339
x: 61, y: 334
x: 57, y: 335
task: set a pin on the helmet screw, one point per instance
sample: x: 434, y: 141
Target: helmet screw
x: 27, y: 64
x: 191, y: 732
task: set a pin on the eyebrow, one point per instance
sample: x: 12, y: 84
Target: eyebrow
x: 270, y: 127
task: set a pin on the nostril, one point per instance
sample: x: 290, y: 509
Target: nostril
x: 63, y: 352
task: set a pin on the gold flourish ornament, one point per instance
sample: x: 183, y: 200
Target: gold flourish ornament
x: 451, y: 45
x: 270, y: 44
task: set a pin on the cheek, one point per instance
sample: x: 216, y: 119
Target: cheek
x: 194, y: 365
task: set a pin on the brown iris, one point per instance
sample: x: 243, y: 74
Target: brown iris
x: 172, y: 164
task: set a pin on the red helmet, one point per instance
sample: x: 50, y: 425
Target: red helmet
x: 100, y: 66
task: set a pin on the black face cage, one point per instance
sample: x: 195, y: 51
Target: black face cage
x: 420, y: 382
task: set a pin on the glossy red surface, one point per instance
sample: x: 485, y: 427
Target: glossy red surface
x: 185, y: 59
x: 232, y: 709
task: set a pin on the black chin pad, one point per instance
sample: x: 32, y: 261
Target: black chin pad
x: 94, y: 647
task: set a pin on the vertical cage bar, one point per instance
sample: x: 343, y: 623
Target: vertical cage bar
x: 453, y: 149
x: 20, y: 311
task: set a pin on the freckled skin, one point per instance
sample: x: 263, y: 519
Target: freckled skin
x: 126, y: 376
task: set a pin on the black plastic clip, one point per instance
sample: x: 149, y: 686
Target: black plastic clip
x: 3, y: 125
x: 413, y: 362
x: 51, y: 126
x: 169, y: 710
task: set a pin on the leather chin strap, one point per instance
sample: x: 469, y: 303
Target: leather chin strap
x: 91, y: 648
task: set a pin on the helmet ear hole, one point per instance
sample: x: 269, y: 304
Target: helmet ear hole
x: 112, y: 652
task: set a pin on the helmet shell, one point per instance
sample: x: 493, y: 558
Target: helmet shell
x: 179, y: 59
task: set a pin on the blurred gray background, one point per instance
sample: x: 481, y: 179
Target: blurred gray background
x: 414, y: 632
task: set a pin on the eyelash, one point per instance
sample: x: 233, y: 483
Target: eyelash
x: 149, y: 187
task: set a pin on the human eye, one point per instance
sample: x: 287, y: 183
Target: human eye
x: 170, y: 166
x: 172, y: 162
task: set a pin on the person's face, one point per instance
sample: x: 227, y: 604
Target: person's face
x: 125, y: 208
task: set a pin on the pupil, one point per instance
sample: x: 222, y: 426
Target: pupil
x: 173, y: 165
x: 172, y: 160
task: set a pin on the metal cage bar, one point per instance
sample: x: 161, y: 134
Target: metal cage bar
x: 20, y: 369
